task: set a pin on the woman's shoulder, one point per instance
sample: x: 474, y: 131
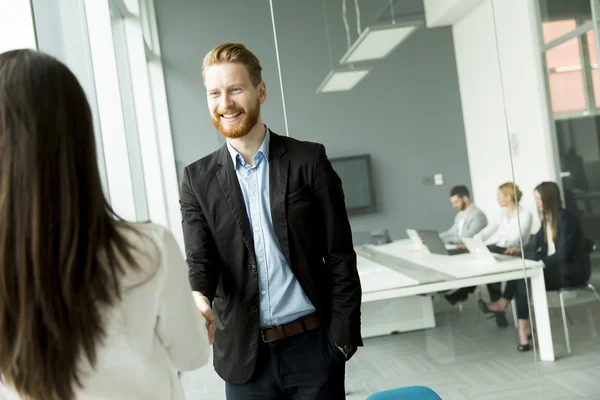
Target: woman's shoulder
x: 566, y: 216
x: 149, y: 242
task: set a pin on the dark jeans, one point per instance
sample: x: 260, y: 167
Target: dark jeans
x: 307, y: 367
x: 518, y: 290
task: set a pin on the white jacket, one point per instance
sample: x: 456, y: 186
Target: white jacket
x: 154, y: 331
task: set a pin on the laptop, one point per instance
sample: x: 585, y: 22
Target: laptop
x: 414, y: 237
x: 435, y: 245
x: 481, y: 252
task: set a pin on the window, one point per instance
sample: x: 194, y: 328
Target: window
x: 565, y: 73
x: 572, y: 68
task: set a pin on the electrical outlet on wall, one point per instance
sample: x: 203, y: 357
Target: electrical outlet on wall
x: 438, y: 179
x: 428, y: 181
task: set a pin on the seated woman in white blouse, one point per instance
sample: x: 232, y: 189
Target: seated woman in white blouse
x: 512, y: 227
x: 513, y: 224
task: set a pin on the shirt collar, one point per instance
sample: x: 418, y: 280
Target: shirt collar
x: 237, y: 158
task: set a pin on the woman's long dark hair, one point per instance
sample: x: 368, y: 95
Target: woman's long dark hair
x: 61, y: 249
x: 552, y: 203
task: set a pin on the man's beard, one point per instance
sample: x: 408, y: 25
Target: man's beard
x: 249, y: 118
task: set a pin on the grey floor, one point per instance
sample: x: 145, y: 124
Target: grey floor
x: 467, y: 357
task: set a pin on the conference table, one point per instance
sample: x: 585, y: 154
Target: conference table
x: 399, y: 278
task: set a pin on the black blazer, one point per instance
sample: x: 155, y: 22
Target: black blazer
x: 571, y: 260
x: 311, y: 224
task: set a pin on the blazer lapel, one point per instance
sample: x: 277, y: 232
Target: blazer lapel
x: 279, y: 166
x: 233, y: 195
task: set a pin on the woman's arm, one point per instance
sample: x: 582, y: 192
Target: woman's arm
x: 488, y: 231
x: 179, y: 326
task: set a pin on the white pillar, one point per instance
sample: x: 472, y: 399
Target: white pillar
x: 447, y: 12
x: 504, y: 100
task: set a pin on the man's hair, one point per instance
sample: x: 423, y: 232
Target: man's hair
x: 460, y: 191
x: 234, y: 53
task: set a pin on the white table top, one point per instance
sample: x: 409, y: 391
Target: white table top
x: 376, y: 277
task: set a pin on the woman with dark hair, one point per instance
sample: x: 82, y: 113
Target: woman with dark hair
x: 560, y: 245
x: 91, y: 307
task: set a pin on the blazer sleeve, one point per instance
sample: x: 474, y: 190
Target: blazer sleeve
x: 566, y: 242
x: 476, y: 225
x: 339, y: 254
x: 200, y: 247
x: 451, y: 235
x: 533, y: 247
x: 180, y: 326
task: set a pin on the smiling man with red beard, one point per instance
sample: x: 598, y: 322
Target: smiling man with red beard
x: 269, y: 247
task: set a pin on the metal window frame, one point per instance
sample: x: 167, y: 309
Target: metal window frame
x: 586, y: 68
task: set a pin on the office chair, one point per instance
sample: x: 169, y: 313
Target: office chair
x: 565, y: 318
x: 563, y: 311
x: 406, y: 393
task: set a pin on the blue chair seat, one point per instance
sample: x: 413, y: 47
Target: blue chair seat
x: 406, y: 393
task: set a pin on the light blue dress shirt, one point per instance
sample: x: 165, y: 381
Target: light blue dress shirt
x: 282, y: 299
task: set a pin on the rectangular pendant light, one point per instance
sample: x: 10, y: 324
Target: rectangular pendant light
x: 378, y: 41
x: 340, y: 80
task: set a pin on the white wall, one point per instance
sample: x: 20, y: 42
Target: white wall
x: 482, y: 105
x: 503, y: 95
x: 526, y: 103
x: 416, y: 84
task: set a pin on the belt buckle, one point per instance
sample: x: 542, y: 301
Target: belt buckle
x: 262, y: 333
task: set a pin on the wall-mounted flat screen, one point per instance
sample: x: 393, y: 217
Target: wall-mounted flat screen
x: 355, y: 172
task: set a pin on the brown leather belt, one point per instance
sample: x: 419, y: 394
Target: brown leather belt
x: 301, y: 325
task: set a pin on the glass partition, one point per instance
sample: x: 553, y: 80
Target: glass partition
x: 425, y: 104
x: 559, y: 159
x: 547, y: 52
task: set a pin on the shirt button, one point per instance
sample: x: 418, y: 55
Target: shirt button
x: 264, y: 292
x: 253, y: 309
x: 253, y: 268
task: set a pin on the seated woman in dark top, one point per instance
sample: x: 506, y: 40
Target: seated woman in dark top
x: 560, y: 245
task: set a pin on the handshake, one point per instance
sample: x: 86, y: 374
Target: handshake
x: 209, y: 316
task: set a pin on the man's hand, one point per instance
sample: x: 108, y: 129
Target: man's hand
x: 209, y: 316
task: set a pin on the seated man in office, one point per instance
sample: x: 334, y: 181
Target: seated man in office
x: 469, y: 220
